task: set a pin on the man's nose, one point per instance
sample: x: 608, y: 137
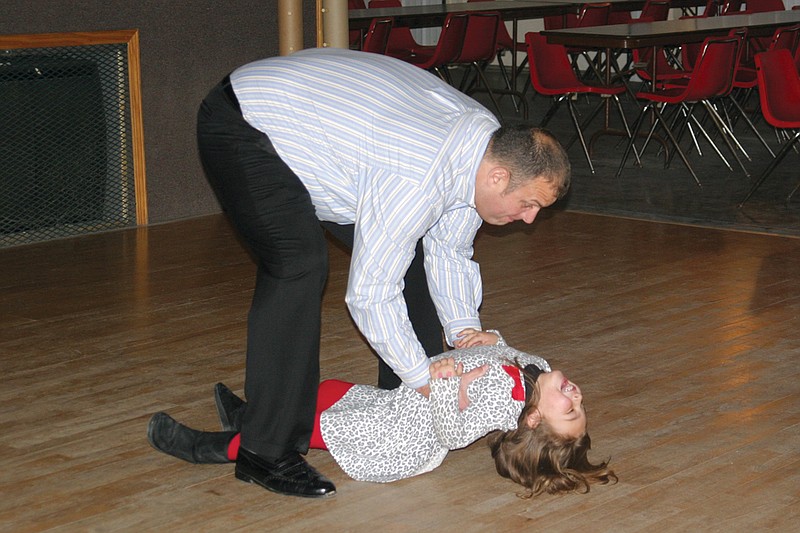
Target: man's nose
x: 530, y: 215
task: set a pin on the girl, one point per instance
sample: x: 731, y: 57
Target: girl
x: 483, y: 386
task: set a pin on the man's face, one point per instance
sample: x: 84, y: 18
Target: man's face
x: 498, y: 207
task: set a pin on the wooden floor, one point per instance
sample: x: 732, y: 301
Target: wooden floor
x: 686, y: 342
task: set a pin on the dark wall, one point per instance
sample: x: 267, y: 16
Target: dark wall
x: 186, y: 46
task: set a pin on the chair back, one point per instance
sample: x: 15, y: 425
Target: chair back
x: 377, y: 38
x: 778, y: 88
x: 550, y: 67
x: 787, y: 37
x: 715, y: 70
x: 761, y: 6
x: 656, y: 10
x: 504, y: 39
x: 448, y: 48
x: 480, y: 39
x: 595, y: 14
x: 731, y: 7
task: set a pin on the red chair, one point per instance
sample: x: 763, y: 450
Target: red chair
x: 478, y: 49
x: 746, y: 80
x: 593, y: 14
x: 712, y: 77
x: 552, y: 75
x: 742, y: 7
x: 731, y: 7
x: 652, y: 10
x: 506, y: 43
x: 762, y: 6
x: 447, y: 49
x: 377, y: 38
x: 401, y: 42
x: 779, y: 90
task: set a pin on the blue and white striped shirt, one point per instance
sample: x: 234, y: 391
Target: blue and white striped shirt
x: 392, y: 149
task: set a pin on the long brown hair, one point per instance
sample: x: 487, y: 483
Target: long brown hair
x: 543, y: 461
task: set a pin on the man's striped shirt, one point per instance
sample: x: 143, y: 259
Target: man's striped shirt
x: 394, y: 150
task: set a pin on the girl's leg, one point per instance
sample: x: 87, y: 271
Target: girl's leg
x: 202, y: 447
x: 329, y: 392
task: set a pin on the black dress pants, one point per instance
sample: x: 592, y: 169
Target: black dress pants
x: 272, y: 212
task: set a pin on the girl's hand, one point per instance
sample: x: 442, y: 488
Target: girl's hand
x: 445, y: 368
x: 472, y: 337
x: 466, y: 379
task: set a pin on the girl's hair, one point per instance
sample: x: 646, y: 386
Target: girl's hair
x: 543, y: 461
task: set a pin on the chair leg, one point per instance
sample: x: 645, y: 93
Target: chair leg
x: 507, y: 81
x: 774, y: 163
x: 727, y: 136
x: 706, y: 136
x: 489, y: 90
x: 751, y: 125
x: 574, y: 116
x: 627, y: 129
x: 635, y: 132
x: 586, y: 122
x: 677, y: 146
x: 553, y: 108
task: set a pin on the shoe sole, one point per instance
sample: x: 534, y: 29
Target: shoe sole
x: 243, y: 476
x: 223, y: 416
x: 150, y: 426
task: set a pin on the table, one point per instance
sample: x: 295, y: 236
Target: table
x: 434, y: 15
x: 667, y: 33
x: 511, y: 10
x: 671, y: 32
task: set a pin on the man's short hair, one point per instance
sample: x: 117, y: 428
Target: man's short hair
x: 530, y: 154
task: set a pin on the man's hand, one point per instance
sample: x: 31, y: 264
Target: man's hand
x: 472, y: 337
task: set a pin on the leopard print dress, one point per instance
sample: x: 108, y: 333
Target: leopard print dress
x: 382, y: 436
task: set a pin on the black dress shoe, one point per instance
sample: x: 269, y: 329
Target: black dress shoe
x: 177, y: 440
x: 290, y: 475
x: 229, y: 407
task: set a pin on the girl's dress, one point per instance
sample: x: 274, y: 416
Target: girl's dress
x: 382, y: 436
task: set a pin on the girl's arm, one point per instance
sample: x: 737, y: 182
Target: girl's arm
x: 459, y: 419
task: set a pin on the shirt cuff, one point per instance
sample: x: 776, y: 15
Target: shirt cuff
x: 418, y: 376
x: 454, y: 327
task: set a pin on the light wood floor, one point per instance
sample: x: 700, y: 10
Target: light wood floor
x: 686, y: 342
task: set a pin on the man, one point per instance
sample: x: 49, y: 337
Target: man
x: 391, y: 160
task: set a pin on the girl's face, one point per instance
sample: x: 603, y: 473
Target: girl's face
x: 561, y: 404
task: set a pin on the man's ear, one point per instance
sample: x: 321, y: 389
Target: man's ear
x: 499, y: 176
x: 533, y: 419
